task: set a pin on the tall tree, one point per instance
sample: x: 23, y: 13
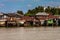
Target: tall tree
x: 20, y: 12
x: 28, y: 13
x: 48, y: 9
x: 53, y: 11
x: 35, y: 10
x: 40, y: 9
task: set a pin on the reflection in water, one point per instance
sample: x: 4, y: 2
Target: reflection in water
x: 22, y: 33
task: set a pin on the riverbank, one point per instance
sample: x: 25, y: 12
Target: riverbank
x: 34, y: 27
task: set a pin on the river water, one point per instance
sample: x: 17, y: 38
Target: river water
x: 21, y: 33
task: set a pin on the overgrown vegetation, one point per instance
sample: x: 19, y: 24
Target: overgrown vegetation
x: 51, y: 10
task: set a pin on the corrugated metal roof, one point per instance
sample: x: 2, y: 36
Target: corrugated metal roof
x: 42, y: 13
x: 13, y: 15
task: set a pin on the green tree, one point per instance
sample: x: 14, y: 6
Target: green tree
x: 40, y: 9
x: 28, y: 13
x: 48, y: 9
x: 53, y: 11
x: 20, y: 12
x: 35, y: 10
x: 57, y: 11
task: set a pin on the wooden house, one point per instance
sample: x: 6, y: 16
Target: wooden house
x: 12, y: 19
x: 3, y: 19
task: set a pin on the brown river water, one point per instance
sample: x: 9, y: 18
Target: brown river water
x: 35, y: 33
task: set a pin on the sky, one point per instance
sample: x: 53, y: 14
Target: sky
x: 7, y: 6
